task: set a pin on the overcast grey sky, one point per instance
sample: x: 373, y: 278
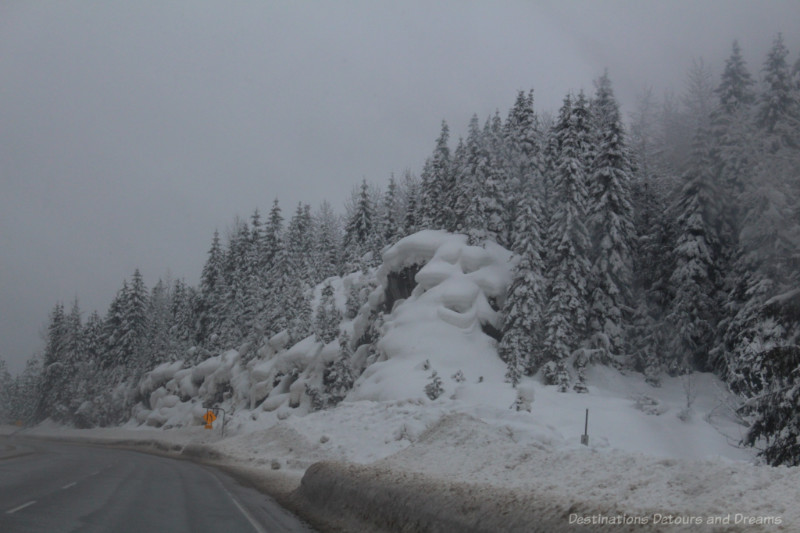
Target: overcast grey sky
x: 129, y: 131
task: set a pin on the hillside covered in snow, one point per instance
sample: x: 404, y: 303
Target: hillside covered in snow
x: 545, y: 281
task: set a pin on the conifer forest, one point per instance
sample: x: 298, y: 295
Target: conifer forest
x: 664, y: 240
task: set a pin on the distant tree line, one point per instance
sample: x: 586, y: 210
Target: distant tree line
x: 667, y: 246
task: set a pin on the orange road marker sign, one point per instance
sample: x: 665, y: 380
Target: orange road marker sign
x: 209, y: 417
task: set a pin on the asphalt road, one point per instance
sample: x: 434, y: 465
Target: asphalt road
x: 51, y: 487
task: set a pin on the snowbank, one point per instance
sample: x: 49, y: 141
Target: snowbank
x: 439, y: 330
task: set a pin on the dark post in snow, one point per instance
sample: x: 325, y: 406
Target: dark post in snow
x: 223, y: 420
x: 585, y: 436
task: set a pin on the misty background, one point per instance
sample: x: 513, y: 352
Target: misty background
x: 129, y: 132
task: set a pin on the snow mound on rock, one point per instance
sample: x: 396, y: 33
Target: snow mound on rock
x: 440, y: 327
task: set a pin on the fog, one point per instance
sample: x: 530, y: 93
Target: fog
x: 131, y: 131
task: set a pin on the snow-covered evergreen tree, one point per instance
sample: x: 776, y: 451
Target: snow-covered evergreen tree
x: 776, y: 420
x: 328, y: 317
x: 610, y: 226
x: 778, y: 108
x: 7, y: 392
x: 411, y: 211
x: 27, y: 402
x: 390, y: 226
x: 520, y: 346
x: 567, y: 237
x: 327, y: 243
x: 732, y: 149
x: 437, y: 185
x: 211, y: 294
x: 54, y: 371
x: 360, y: 229
x: 696, y: 279
x: 337, y: 378
x: 523, y: 159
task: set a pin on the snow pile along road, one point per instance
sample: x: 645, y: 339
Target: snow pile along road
x: 464, y: 475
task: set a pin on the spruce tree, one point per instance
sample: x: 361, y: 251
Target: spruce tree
x: 523, y: 159
x: 411, y: 217
x: 520, y: 346
x: 778, y: 110
x: 337, y: 377
x: 6, y: 394
x: 390, y: 226
x: 610, y: 226
x: 211, y: 295
x: 53, y: 368
x: 327, y: 242
x: 776, y: 428
x: 360, y: 229
x: 732, y: 134
x: 328, y: 317
x: 132, y: 340
x: 696, y: 279
x: 567, y: 237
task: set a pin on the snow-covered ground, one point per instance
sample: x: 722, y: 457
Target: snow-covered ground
x: 643, y: 459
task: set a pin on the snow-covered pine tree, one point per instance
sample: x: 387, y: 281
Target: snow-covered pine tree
x: 466, y: 158
x: 253, y: 284
x: 768, y: 264
x: 93, y: 340
x: 53, y: 368
x: 7, y: 391
x: 297, y: 307
x: 74, y: 386
x: 239, y: 314
x: 327, y: 243
x: 273, y: 236
x: 328, y: 317
x: 112, y: 329
x: 698, y: 101
x: 434, y: 388
x: 520, y: 346
x: 210, y: 293
x: 337, y: 377
x: 133, y: 337
x: 299, y: 244
x: 411, y: 207
x: 523, y: 158
x: 696, y: 280
x: 478, y: 211
x: 778, y: 107
x: 610, y: 226
x: 390, y: 225
x: 298, y: 276
x: 29, y: 392
x: 275, y: 266
x: 500, y: 184
x: 183, y: 319
x: 567, y: 237
x: 776, y: 408
x: 157, y: 340
x: 438, y: 185
x: 360, y: 228
x: 279, y: 279
x: 731, y: 131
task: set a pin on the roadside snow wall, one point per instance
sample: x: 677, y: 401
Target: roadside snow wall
x: 464, y: 475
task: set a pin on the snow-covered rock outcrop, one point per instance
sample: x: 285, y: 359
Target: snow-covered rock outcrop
x: 440, y: 327
x: 434, y: 343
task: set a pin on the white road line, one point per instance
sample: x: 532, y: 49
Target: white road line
x: 94, y: 473
x: 68, y: 485
x: 253, y: 522
x: 23, y: 506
